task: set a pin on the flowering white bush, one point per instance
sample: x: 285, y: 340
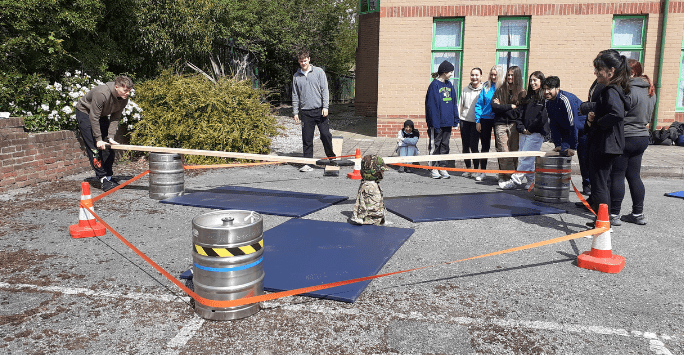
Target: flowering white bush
x: 52, y: 107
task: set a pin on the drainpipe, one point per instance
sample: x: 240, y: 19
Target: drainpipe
x: 666, y: 10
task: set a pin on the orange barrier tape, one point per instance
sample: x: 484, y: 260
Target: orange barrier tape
x: 191, y: 167
x: 120, y: 186
x: 579, y: 194
x: 277, y: 295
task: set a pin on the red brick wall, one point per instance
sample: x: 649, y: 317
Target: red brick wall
x: 26, y: 159
x: 366, y: 100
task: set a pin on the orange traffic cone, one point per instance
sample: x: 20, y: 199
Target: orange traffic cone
x: 356, y: 174
x: 87, y: 225
x: 601, y: 256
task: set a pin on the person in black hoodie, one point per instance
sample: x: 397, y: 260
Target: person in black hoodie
x: 506, y: 99
x: 605, y: 125
x: 533, y: 124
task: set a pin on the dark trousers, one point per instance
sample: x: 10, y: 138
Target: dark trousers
x: 628, y: 165
x: 470, y: 140
x: 487, y: 127
x: 582, y: 158
x: 105, y: 157
x: 310, y: 120
x: 438, y: 143
x: 601, y: 165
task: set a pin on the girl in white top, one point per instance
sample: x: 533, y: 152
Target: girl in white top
x: 470, y: 137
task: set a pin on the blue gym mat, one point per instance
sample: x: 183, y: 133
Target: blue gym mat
x: 280, y: 203
x: 465, y: 206
x: 679, y: 194
x: 301, y: 253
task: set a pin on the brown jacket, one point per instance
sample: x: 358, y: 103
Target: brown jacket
x: 99, y: 102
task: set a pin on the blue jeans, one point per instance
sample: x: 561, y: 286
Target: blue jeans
x: 529, y: 143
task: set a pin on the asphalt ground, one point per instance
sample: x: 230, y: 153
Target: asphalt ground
x: 95, y: 296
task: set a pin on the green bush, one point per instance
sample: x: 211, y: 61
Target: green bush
x: 192, y: 112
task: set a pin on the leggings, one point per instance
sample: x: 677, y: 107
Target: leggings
x: 470, y: 139
x: 486, y: 139
x: 628, y: 165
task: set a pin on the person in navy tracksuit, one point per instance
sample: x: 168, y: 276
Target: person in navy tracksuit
x: 441, y: 114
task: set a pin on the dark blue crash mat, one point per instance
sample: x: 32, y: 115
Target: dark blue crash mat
x: 679, y: 194
x: 280, y: 203
x: 301, y: 253
x: 465, y: 206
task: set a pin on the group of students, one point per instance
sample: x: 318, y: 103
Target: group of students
x: 608, y: 132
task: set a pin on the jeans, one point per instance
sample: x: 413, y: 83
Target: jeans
x: 529, y: 143
x: 506, y: 138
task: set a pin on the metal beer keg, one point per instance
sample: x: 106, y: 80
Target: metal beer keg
x: 166, y: 175
x: 227, y: 255
x: 552, y: 179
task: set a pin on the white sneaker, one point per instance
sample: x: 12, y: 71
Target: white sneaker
x: 517, y: 178
x: 500, y: 180
x: 507, y: 185
x: 467, y: 174
x: 480, y: 176
x: 435, y: 174
x: 306, y: 169
x: 445, y: 174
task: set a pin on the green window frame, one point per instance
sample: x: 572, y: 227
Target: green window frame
x: 447, y: 44
x: 513, y: 43
x: 679, y: 106
x: 626, y: 37
x: 368, y: 6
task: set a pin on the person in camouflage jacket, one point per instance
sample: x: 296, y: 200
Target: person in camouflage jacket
x: 370, y: 207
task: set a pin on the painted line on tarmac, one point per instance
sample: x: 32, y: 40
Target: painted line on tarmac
x: 656, y: 345
x: 185, y: 334
x: 88, y: 292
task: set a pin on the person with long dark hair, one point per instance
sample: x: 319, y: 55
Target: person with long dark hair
x: 642, y: 101
x: 533, y: 125
x: 505, y: 100
x: 484, y: 117
x: 605, y: 124
x: 470, y: 137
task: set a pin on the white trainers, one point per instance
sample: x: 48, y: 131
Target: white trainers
x: 517, y: 178
x: 445, y: 174
x: 467, y: 174
x: 480, y: 176
x: 435, y: 174
x: 306, y: 169
x: 507, y: 185
x: 500, y: 180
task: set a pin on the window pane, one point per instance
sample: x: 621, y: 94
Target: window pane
x: 453, y: 58
x: 512, y: 33
x: 628, y: 31
x: 680, y: 92
x: 636, y: 55
x: 447, y: 34
x: 372, y: 5
x: 509, y: 59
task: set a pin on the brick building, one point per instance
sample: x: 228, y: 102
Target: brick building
x: 402, y: 41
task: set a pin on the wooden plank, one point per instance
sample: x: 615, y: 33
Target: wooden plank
x: 337, y: 149
x: 211, y: 153
x: 461, y: 156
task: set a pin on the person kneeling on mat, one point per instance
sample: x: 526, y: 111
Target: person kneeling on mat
x: 370, y: 207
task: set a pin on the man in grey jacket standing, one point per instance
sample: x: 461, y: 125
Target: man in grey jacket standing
x: 98, y: 114
x: 310, y: 101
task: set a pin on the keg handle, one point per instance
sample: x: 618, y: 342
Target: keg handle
x: 251, y: 215
x: 227, y: 221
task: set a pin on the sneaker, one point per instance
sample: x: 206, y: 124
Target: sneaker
x: 480, y: 176
x: 586, y: 190
x: 507, y: 185
x: 107, y: 184
x: 615, y: 220
x: 517, y: 178
x: 630, y: 218
x: 114, y: 180
x: 401, y: 169
x: 408, y: 170
x: 445, y: 174
x: 467, y: 174
x: 306, y: 169
x: 500, y: 180
x: 435, y: 174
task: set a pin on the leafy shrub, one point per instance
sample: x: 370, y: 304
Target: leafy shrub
x: 51, y: 107
x: 192, y: 112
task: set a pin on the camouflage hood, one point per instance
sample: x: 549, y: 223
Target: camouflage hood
x: 372, y: 167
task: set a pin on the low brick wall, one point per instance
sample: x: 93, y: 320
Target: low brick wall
x: 30, y: 158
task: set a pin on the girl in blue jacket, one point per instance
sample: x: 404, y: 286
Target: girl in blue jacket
x: 440, y: 115
x: 484, y: 117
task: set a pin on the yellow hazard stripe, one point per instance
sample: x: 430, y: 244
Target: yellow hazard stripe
x: 200, y: 250
x: 229, y: 252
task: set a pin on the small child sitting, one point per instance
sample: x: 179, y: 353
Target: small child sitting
x: 407, y: 140
x: 370, y: 207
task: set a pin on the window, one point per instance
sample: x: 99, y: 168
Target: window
x: 367, y: 6
x: 680, y: 89
x: 513, y: 44
x: 447, y: 44
x: 629, y: 36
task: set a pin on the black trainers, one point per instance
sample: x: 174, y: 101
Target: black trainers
x: 107, y: 184
x: 115, y: 181
x: 615, y: 221
x: 630, y: 218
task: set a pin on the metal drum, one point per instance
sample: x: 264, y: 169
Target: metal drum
x: 552, y: 179
x: 166, y: 175
x: 227, y: 254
